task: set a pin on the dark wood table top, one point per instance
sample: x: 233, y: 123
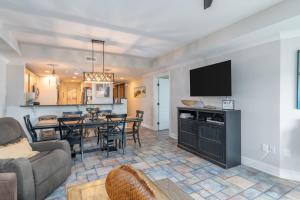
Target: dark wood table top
x: 49, y: 124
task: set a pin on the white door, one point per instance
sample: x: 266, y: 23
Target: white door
x: 164, y: 100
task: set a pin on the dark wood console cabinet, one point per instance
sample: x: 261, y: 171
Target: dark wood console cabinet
x: 212, y: 134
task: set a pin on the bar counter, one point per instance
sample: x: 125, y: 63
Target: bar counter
x: 54, y: 105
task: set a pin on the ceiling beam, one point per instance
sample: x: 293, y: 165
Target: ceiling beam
x: 77, y: 56
x: 9, y: 40
x: 80, y: 38
x: 8, y: 5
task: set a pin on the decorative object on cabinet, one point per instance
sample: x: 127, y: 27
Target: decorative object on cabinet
x: 192, y: 103
x: 227, y: 104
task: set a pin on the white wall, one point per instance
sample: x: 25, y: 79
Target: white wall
x: 145, y: 104
x: 256, y: 91
x: 48, y: 91
x: 255, y: 79
x: 289, y: 115
x: 15, y: 85
x: 255, y: 87
x: 2, y: 86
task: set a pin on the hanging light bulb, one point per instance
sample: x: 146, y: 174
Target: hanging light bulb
x: 53, y: 77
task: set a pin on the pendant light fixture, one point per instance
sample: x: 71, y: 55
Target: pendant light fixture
x: 53, y: 77
x: 98, y: 77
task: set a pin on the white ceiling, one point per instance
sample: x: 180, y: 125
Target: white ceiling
x: 138, y: 28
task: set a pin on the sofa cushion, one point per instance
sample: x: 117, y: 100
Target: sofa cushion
x: 48, y: 164
x: 10, y: 131
x: 20, y: 149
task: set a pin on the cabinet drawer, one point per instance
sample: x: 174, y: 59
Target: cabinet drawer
x: 211, y: 141
x: 212, y: 149
x: 188, y: 139
x: 213, y: 133
x: 188, y: 125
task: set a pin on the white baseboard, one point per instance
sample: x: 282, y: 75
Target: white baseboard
x: 173, y: 135
x: 290, y: 174
x: 270, y: 169
x: 267, y: 168
x: 147, y: 126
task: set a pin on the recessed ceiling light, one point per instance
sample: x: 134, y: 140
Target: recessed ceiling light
x: 72, y: 80
x: 76, y: 73
x: 47, y: 71
x: 74, y: 77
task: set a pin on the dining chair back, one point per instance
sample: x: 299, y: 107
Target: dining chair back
x: 71, y: 129
x: 135, y: 131
x: 72, y: 114
x: 29, y: 128
x: 104, y: 113
x: 47, y: 117
x: 139, y: 114
x: 115, y: 131
x: 102, y: 129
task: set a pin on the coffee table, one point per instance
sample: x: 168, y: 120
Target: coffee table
x: 94, y: 190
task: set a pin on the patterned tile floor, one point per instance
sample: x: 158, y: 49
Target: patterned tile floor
x: 160, y: 158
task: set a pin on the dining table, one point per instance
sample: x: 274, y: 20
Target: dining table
x: 87, y: 123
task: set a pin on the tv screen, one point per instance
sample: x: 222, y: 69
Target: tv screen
x: 212, y: 80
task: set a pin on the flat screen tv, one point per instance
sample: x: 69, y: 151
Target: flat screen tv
x: 212, y: 80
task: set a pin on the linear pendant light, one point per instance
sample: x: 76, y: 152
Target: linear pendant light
x: 98, y: 77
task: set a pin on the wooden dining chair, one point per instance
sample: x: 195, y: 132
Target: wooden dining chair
x: 102, y: 129
x: 72, y: 114
x: 47, y: 117
x: 135, y: 129
x: 71, y: 129
x: 115, y: 132
x: 29, y: 128
x: 48, y: 134
x: 44, y: 135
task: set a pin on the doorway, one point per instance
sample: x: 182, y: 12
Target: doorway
x: 163, y: 103
x: 71, y: 95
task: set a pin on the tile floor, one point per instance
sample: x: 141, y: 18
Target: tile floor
x: 160, y: 158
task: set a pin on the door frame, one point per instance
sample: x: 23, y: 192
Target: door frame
x: 156, y: 78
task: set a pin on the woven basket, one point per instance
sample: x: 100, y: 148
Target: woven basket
x: 124, y: 183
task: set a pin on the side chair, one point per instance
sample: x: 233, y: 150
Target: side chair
x: 135, y: 129
x: 115, y: 132
x: 71, y: 129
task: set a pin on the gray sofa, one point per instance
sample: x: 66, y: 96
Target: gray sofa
x: 8, y: 186
x: 40, y: 175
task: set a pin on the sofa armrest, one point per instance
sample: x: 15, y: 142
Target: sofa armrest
x: 52, y: 145
x: 8, y: 186
x: 25, y: 181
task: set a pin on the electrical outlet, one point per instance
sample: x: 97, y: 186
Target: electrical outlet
x: 265, y: 148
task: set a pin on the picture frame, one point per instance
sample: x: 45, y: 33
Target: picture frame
x: 139, y: 92
x: 228, y: 104
x: 102, y: 90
